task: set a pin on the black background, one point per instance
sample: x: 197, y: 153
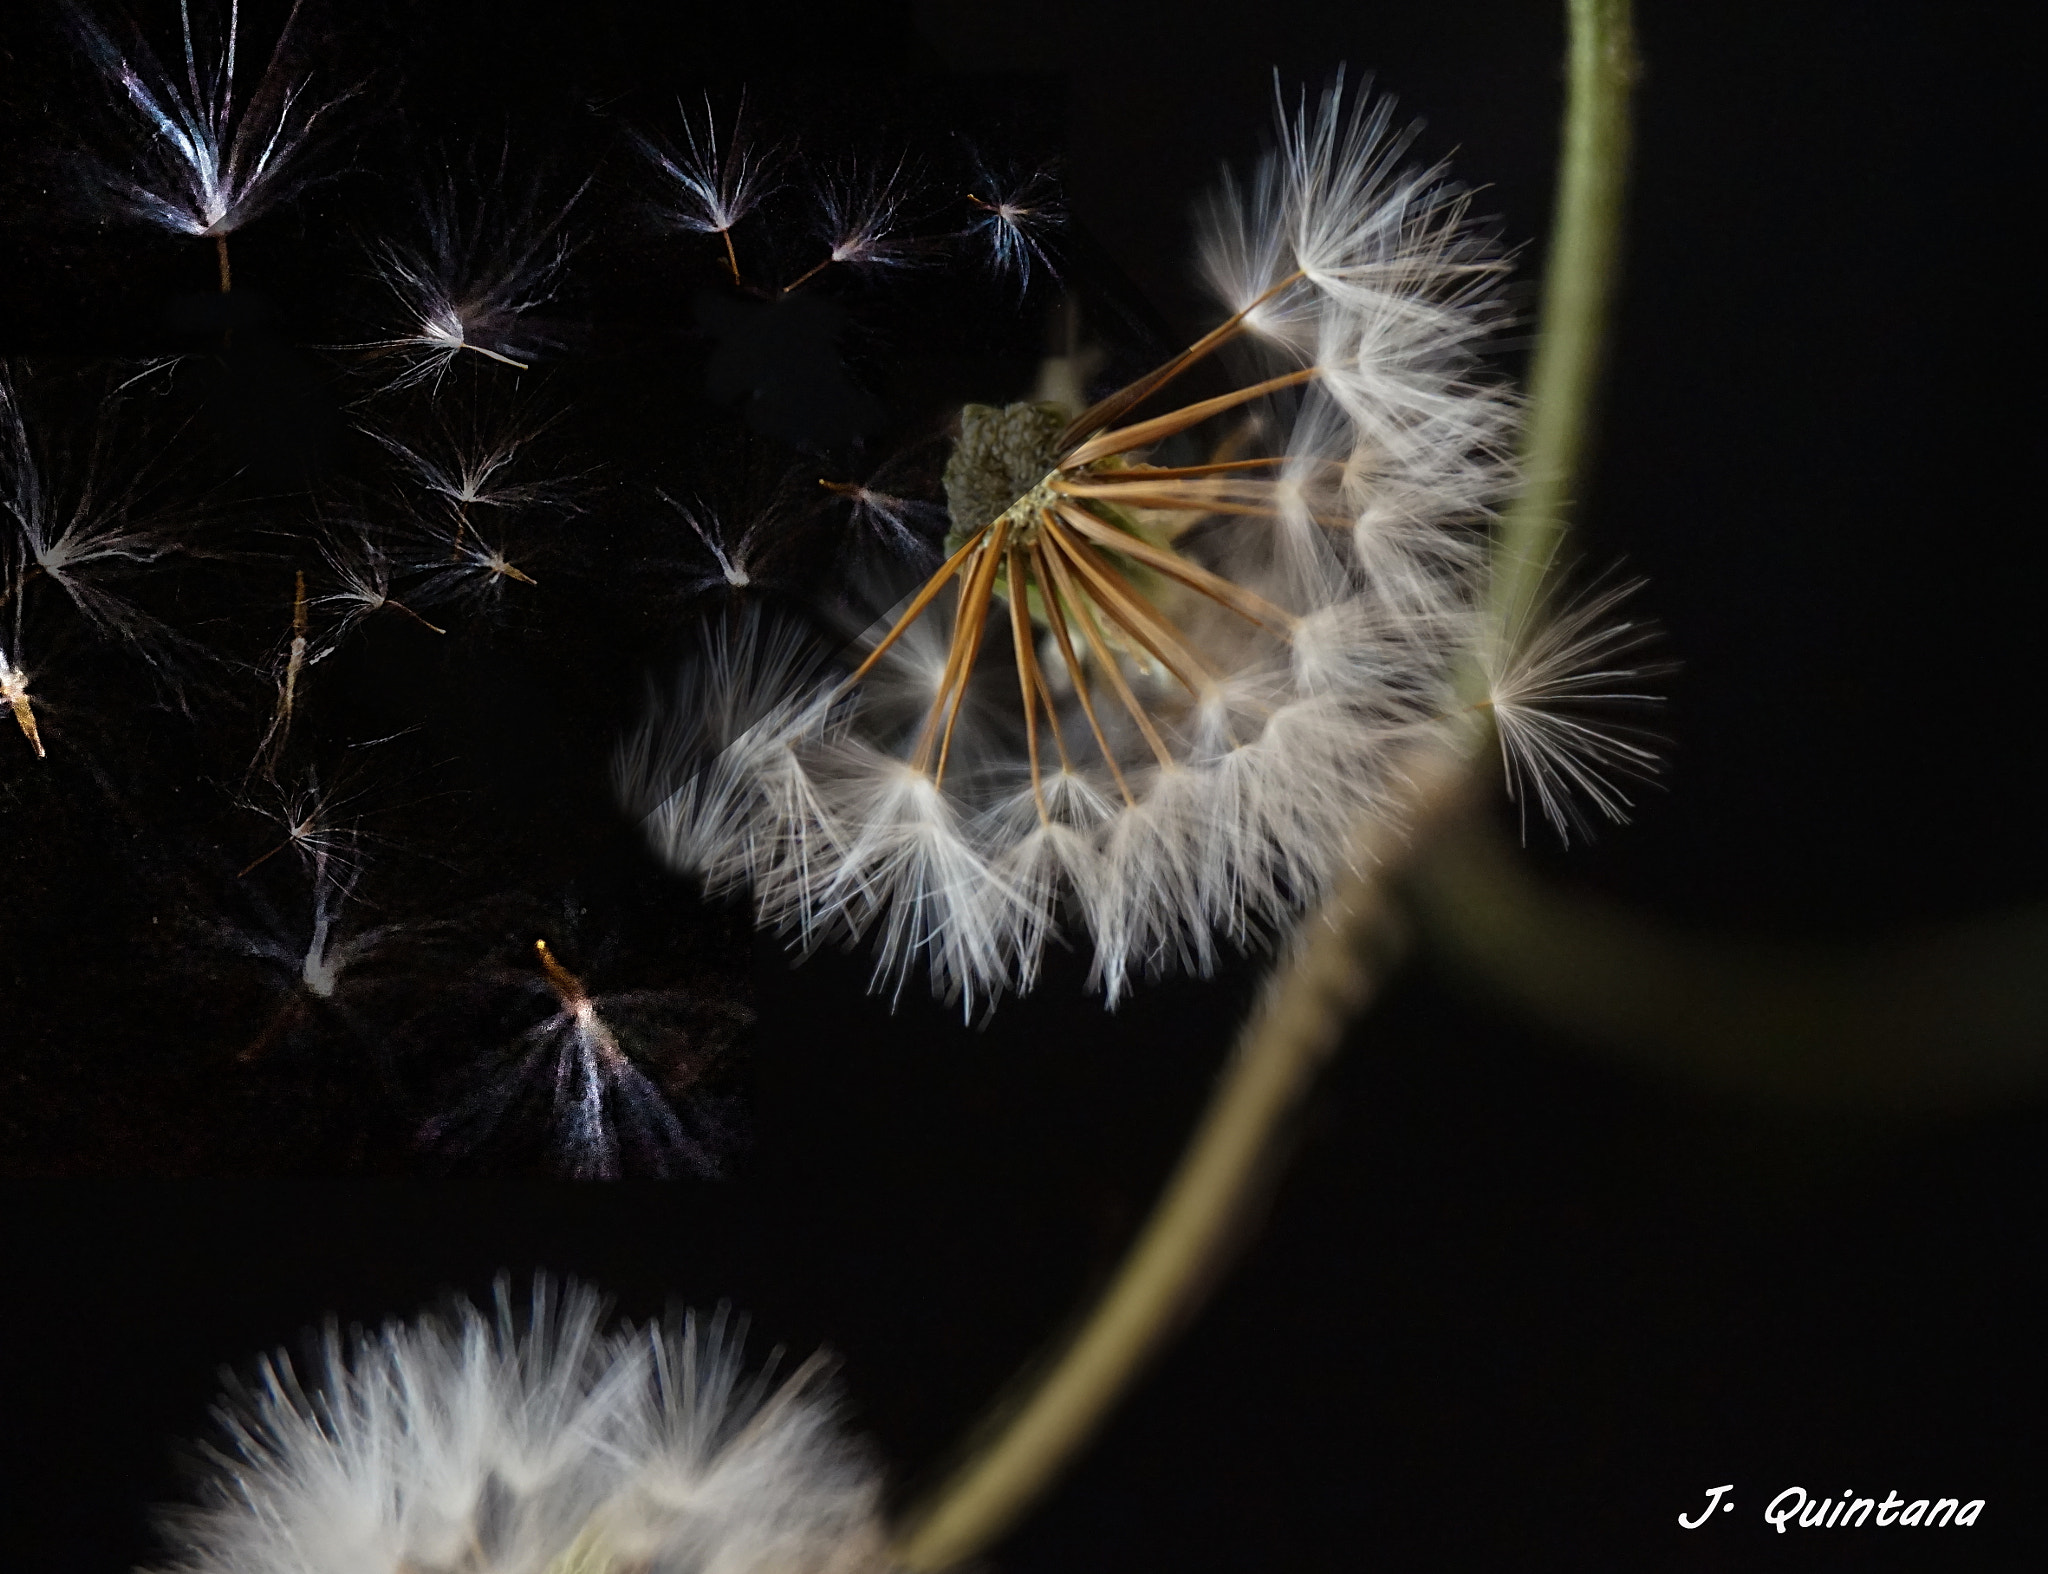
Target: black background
x: 1511, y: 1309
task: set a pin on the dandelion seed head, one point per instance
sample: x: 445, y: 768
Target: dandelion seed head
x: 1146, y: 702
x: 534, y: 1443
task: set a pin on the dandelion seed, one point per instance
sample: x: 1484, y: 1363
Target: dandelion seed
x: 491, y: 258
x: 540, y: 1444
x: 604, y: 1114
x: 290, y: 667
x: 1020, y: 209
x: 904, y: 526
x: 313, y: 821
x: 1171, y: 658
x: 475, y: 572
x: 860, y: 217
x: 360, y: 575
x: 15, y: 691
x: 318, y: 955
x: 84, y: 526
x: 197, y: 163
x: 714, y: 182
x: 733, y: 567
x: 480, y: 458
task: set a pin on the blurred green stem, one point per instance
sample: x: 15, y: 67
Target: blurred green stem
x: 1346, y: 948
x: 1943, y: 1021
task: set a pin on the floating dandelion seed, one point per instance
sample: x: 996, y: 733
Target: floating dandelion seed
x: 473, y: 572
x: 860, y: 218
x: 765, y: 553
x: 319, y: 822
x: 880, y: 513
x: 479, y: 458
x: 1556, y: 685
x: 318, y: 954
x: 82, y: 527
x: 605, y: 1115
x: 14, y: 689
x: 1158, y: 679
x: 533, y: 1445
x: 714, y: 182
x: 288, y: 667
x: 357, y: 583
x: 197, y: 163
x: 77, y: 530
x: 1020, y: 209
x: 734, y: 568
x: 492, y: 257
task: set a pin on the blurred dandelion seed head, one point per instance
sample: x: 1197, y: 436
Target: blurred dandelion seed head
x: 540, y: 1443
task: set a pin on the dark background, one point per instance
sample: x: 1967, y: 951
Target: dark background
x: 1511, y: 1308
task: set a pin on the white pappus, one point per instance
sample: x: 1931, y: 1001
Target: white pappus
x: 197, y: 163
x: 535, y: 1444
x: 710, y: 183
x: 490, y: 254
x: 616, y: 1076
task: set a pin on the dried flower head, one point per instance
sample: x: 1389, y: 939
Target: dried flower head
x: 535, y: 1445
x: 1171, y: 658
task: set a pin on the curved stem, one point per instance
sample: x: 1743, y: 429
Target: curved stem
x: 1338, y: 962
x: 1347, y: 947
x: 1580, y: 277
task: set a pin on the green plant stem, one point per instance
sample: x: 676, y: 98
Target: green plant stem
x: 1338, y: 962
x: 1952, y: 1018
x: 1580, y: 277
x: 1349, y: 944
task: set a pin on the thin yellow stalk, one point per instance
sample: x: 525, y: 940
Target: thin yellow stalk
x: 811, y: 272
x: 1137, y: 617
x: 493, y: 355
x: 967, y: 639
x: 1246, y: 604
x: 915, y: 610
x: 1071, y: 597
x: 1178, y: 472
x: 1027, y: 672
x: 1056, y: 615
x: 1347, y: 945
x: 1130, y: 396
x: 1160, y: 427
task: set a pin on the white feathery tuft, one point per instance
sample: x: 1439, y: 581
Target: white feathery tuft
x: 197, y: 162
x: 542, y: 1445
x: 488, y: 257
